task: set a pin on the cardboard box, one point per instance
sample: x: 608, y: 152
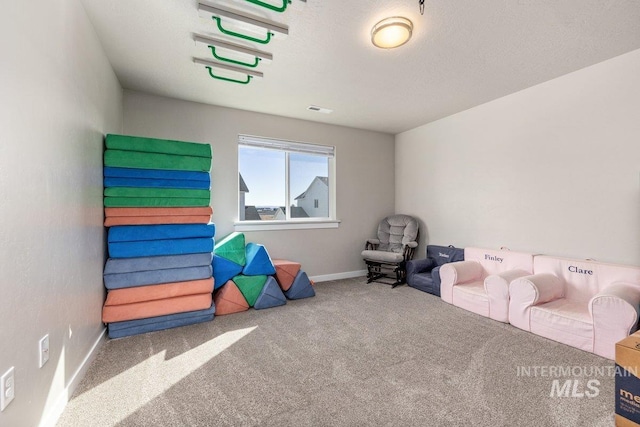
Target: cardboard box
x: 628, y: 382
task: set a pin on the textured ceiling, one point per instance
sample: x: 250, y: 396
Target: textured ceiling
x: 463, y: 53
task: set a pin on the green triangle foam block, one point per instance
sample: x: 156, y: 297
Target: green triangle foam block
x: 250, y: 286
x: 232, y: 248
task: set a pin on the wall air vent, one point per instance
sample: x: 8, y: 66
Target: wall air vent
x: 319, y: 109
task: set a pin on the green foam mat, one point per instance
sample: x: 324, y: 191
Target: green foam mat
x: 153, y: 145
x: 140, y: 192
x: 136, y: 159
x: 145, y: 202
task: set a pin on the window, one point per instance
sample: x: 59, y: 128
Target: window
x: 285, y: 182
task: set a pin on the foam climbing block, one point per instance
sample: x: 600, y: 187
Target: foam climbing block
x: 155, y: 277
x: 155, y: 202
x: 228, y: 299
x: 160, y: 247
x: 160, y: 307
x: 110, y: 172
x: 224, y: 270
x: 136, y: 233
x: 135, y: 159
x: 258, y: 261
x: 147, y: 220
x: 155, y: 183
x: 130, y: 265
x: 232, y: 248
x: 250, y: 286
x: 270, y: 296
x: 159, y: 323
x: 155, y: 212
x: 301, y: 287
x: 286, y: 272
x: 156, y: 193
x: 155, y: 145
x: 158, y: 292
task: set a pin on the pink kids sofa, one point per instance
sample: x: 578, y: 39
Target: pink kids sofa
x: 480, y: 283
x: 585, y: 304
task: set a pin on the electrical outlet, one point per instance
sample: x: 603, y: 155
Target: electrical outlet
x: 43, y: 346
x: 7, y: 388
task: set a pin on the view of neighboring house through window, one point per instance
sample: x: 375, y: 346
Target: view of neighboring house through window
x: 283, y: 180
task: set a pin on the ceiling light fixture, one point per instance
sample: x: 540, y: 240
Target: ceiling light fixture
x: 391, y: 32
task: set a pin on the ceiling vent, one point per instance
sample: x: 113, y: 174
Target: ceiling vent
x: 319, y: 109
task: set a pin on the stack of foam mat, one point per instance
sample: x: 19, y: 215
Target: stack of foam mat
x: 160, y: 240
x: 245, y: 276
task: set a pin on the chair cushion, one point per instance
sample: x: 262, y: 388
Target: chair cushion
x: 382, y: 256
x: 395, y: 231
x: 565, y: 321
x: 472, y: 297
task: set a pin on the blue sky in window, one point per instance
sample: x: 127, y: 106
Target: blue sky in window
x: 264, y: 173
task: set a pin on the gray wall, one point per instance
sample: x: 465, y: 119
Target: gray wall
x: 59, y: 95
x: 552, y: 169
x: 364, y: 174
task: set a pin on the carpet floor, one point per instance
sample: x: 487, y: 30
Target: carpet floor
x: 355, y: 355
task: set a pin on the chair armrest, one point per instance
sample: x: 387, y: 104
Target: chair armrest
x: 371, y: 244
x: 418, y: 266
x: 408, y: 250
x: 527, y: 291
x: 497, y: 288
x: 537, y: 288
x: 454, y: 273
x: 614, y: 312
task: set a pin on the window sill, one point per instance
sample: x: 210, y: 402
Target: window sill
x: 285, y: 225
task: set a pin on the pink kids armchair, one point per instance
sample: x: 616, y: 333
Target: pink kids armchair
x: 480, y: 283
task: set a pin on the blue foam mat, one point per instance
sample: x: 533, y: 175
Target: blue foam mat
x: 136, y: 233
x: 156, y: 277
x: 114, y: 172
x: 159, y: 323
x: 130, y: 265
x: 160, y: 247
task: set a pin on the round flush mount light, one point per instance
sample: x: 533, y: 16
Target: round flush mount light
x: 391, y: 32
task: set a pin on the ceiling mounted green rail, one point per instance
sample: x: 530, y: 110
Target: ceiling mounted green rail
x: 285, y: 3
x: 233, y: 61
x: 216, y: 44
x: 218, y: 12
x: 240, y: 35
x: 228, y: 79
x: 211, y: 65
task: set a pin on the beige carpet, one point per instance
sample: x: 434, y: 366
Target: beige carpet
x: 355, y: 355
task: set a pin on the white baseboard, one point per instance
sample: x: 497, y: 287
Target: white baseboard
x: 51, y: 417
x: 338, y: 276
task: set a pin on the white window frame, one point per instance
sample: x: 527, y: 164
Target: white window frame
x: 292, y: 147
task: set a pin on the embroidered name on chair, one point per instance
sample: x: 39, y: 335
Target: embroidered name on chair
x: 493, y: 258
x: 574, y: 269
x: 443, y: 255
